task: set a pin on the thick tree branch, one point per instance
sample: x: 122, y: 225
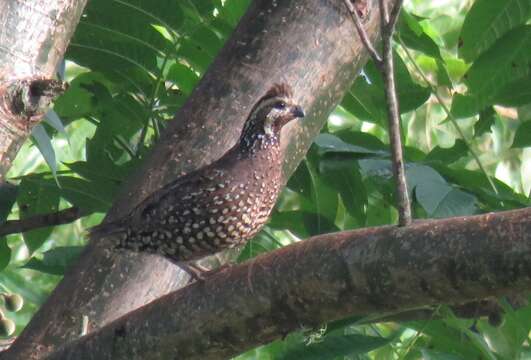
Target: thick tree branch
x: 42, y: 220
x: 286, y: 41
x: 33, y: 38
x: 361, y: 272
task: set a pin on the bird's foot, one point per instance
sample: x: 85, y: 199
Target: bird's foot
x: 200, y: 273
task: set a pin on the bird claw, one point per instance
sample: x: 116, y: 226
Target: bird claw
x: 200, y: 273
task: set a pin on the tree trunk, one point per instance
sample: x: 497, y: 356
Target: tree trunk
x: 311, y: 45
x: 351, y: 273
x: 33, y: 38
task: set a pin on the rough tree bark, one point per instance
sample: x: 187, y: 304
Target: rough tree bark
x: 310, y: 44
x: 33, y: 38
x: 361, y: 272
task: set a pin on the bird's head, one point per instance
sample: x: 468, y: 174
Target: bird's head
x: 274, y: 110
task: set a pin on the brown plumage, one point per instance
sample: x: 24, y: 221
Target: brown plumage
x: 220, y: 205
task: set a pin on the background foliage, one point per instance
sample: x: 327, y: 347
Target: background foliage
x: 463, y: 72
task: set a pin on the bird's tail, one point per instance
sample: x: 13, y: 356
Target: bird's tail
x: 106, y: 230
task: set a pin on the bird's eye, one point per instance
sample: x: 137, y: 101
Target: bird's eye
x: 280, y: 105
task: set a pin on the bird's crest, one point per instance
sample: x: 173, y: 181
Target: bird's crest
x: 279, y: 90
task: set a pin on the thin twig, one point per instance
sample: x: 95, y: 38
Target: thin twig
x: 394, y: 14
x: 363, y: 34
x: 42, y: 220
x: 386, y: 67
x: 384, y: 16
x: 399, y: 172
x: 449, y: 114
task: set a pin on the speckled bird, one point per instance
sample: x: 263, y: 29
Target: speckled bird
x: 219, y: 206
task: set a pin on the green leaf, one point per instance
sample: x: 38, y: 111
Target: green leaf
x: 464, y: 106
x: 37, y: 196
x: 105, y: 171
x: 43, y: 142
x: 183, y: 77
x: 120, y: 36
x: 514, y: 94
x: 329, y: 143
x: 435, y: 195
x: 344, y: 176
x: 51, y: 118
x: 508, y: 60
x: 413, y: 35
x: 489, y: 20
x: 55, y: 261
x: 303, y: 224
x: 77, y: 101
x: 86, y: 195
x: 366, y: 98
x: 442, y: 201
x: 485, y: 122
x: 449, y: 155
x: 262, y: 243
x: 331, y: 347
x: 8, y: 196
x: 522, y: 137
x: 436, y: 355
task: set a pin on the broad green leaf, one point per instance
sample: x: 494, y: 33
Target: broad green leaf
x: 330, y: 143
x: 450, y: 155
x: 37, y: 196
x: 523, y: 135
x: 489, y: 20
x: 183, y: 77
x: 331, y: 347
x: 117, y: 36
x: 307, y: 183
x: 366, y: 97
x: 411, y: 32
x: 55, y: 261
x: 77, y: 101
x: 464, y: 106
x: 443, y: 201
x: 476, y: 183
x: 86, y: 195
x: 344, y: 176
x: 516, y: 93
x: 508, y: 60
x: 444, y: 338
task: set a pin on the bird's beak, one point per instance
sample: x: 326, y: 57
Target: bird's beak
x: 297, y: 111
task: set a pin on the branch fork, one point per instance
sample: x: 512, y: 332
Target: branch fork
x: 384, y: 63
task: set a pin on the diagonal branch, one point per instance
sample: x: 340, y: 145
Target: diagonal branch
x: 351, y: 273
x: 363, y: 34
x: 39, y: 221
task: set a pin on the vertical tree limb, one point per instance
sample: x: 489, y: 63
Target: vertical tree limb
x: 33, y: 38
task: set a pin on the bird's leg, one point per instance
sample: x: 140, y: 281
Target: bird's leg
x: 199, y: 272
x: 196, y: 272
